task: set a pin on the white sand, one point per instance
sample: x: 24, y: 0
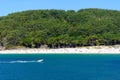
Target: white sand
x: 81, y: 50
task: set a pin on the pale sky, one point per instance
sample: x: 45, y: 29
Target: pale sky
x: 10, y: 6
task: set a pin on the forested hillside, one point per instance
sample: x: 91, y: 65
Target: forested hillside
x: 60, y: 28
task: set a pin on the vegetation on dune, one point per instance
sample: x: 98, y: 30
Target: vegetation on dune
x: 59, y: 28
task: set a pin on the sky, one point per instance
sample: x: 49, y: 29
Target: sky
x: 10, y: 6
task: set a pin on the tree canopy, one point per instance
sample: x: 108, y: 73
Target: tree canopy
x: 60, y: 28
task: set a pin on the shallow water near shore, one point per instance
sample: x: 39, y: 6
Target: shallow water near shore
x: 59, y: 67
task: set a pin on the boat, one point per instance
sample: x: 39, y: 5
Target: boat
x: 40, y: 60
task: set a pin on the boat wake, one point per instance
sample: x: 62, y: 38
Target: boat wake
x: 23, y: 61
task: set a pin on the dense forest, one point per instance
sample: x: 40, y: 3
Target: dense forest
x: 60, y: 28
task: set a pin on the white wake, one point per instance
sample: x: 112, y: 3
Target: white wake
x: 23, y: 61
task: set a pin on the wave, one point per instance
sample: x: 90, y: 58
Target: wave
x: 23, y: 61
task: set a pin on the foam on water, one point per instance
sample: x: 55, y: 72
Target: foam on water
x: 23, y: 61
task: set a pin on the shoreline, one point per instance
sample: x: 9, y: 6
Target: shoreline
x: 79, y: 50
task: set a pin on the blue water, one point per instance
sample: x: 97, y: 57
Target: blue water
x: 59, y: 67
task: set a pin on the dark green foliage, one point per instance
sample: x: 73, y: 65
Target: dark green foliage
x: 59, y: 28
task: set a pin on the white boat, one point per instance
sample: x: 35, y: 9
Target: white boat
x: 41, y: 60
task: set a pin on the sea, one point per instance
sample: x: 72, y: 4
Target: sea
x: 59, y: 67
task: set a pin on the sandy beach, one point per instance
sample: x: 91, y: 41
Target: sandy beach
x: 79, y: 50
